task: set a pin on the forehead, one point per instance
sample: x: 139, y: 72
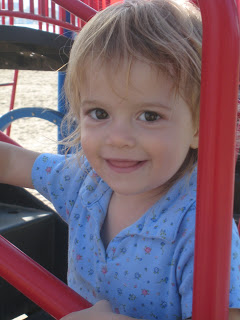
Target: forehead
x: 128, y: 80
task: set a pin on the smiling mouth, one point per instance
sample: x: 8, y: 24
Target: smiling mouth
x: 124, y: 166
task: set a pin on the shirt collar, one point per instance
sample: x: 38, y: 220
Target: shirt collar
x: 163, y: 219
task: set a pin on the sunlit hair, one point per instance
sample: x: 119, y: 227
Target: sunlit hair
x: 166, y: 34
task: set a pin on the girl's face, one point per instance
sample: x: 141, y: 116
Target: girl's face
x: 136, y: 133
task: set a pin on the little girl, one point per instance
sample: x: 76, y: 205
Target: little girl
x: 128, y: 194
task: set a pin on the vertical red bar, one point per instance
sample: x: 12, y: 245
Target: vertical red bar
x: 46, y: 8
x: 40, y: 13
x: 14, y: 88
x: 53, y: 13
x: 80, y: 23
x: 216, y: 164
x: 31, y: 6
x: 10, y: 7
x: 72, y: 19
x: 61, y: 17
x: 3, y: 7
x: 53, y: 7
x: 43, y: 8
x: 20, y: 5
x: 46, y: 12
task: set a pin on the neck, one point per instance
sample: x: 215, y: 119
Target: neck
x: 140, y: 202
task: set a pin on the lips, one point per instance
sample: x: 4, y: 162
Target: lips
x: 123, y: 163
x: 124, y: 166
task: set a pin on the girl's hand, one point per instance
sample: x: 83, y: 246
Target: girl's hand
x: 100, y: 311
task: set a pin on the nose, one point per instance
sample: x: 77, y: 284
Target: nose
x: 121, y: 135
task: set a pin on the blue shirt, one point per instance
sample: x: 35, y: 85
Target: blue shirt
x: 147, y: 269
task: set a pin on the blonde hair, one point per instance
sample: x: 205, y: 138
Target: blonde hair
x: 167, y: 34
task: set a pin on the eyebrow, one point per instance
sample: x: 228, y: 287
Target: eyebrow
x: 142, y: 105
x: 156, y: 104
x: 92, y: 102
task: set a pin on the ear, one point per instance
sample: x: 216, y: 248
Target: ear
x: 194, y: 144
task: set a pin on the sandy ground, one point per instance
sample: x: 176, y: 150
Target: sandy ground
x: 34, y: 89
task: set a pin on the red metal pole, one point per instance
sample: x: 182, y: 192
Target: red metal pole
x: 10, y: 7
x: 31, y: 6
x: 26, y: 15
x: 53, y: 14
x: 216, y: 165
x: 61, y: 18
x: 40, y: 13
x: 3, y: 7
x: 38, y: 284
x: 5, y: 138
x: 46, y: 13
x: 72, y: 19
x: 78, y: 8
x: 14, y: 88
x: 20, y: 5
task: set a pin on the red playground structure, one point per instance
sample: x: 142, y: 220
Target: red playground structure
x: 216, y: 165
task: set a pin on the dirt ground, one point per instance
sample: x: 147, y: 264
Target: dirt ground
x: 34, y: 89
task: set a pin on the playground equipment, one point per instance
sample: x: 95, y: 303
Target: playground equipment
x: 14, y: 87
x: 34, y: 49
x: 31, y: 48
x: 215, y: 184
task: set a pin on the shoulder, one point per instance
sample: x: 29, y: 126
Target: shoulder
x: 56, y: 166
x: 182, y: 205
x: 59, y: 178
x: 173, y: 216
x: 64, y: 179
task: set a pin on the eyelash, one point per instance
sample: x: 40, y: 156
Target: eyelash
x: 93, y: 114
x: 95, y: 110
x: 150, y: 113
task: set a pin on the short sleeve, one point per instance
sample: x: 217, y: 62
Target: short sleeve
x: 59, y: 180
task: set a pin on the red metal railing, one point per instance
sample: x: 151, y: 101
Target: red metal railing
x: 14, y: 87
x: 37, y: 283
x: 47, y: 13
x: 216, y: 164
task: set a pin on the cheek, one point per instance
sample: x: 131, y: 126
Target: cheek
x: 90, y: 143
x: 170, y: 148
x: 87, y: 145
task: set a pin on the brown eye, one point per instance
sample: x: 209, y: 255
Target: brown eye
x: 99, y: 114
x: 149, y: 116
